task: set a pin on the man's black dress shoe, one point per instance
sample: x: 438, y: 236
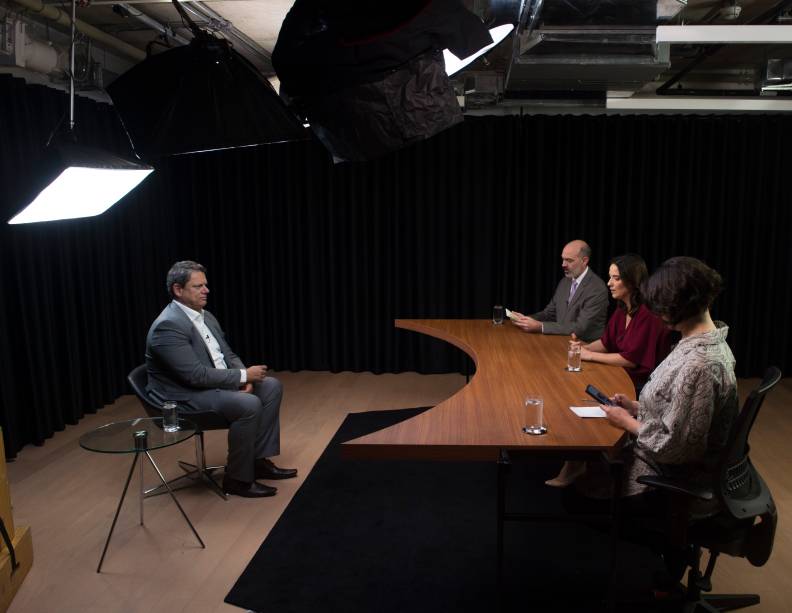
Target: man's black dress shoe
x: 247, y: 490
x: 265, y: 469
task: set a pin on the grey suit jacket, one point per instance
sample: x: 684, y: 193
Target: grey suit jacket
x: 179, y: 363
x: 585, y: 315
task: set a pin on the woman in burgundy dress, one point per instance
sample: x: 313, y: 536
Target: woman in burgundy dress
x: 635, y: 338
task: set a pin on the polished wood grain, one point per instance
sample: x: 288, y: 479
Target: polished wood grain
x: 488, y: 414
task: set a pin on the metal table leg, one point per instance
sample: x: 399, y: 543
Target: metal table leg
x: 616, y: 467
x: 118, y: 510
x: 165, y: 483
x: 142, y: 496
x: 142, y: 488
x: 503, y: 471
x: 617, y: 473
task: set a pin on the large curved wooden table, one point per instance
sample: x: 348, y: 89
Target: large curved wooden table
x: 487, y: 415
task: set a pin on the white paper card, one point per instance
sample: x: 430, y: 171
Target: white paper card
x: 588, y: 411
x: 510, y: 314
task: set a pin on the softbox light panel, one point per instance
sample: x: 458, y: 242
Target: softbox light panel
x: 200, y: 97
x: 71, y: 181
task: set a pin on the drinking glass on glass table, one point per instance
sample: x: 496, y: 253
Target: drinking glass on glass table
x: 170, y: 418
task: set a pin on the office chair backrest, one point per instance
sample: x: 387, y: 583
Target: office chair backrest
x: 741, y: 489
x: 138, y: 379
x: 739, y: 485
x: 738, y: 443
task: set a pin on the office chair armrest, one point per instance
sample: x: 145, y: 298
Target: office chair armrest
x: 676, y: 486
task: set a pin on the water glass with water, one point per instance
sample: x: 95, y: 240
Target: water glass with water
x: 534, y: 415
x: 497, y: 315
x: 573, y: 356
x: 170, y: 421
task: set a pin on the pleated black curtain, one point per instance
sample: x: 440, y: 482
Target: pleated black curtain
x: 309, y: 263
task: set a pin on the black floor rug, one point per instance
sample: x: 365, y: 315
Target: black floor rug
x: 393, y: 536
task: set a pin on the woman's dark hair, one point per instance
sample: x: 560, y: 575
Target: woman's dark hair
x: 633, y: 272
x: 681, y: 288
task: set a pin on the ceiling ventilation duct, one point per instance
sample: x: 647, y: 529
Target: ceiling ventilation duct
x: 778, y: 77
x: 370, y: 78
x: 591, y: 45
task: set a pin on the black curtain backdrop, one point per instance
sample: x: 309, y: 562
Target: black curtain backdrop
x: 309, y: 263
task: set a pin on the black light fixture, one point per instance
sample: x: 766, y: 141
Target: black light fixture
x: 203, y: 96
x: 76, y: 181
x: 370, y: 81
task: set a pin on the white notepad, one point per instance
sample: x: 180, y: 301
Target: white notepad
x: 588, y: 411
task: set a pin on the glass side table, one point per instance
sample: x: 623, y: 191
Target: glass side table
x: 139, y: 436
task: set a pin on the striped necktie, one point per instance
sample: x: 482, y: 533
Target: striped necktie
x: 572, y: 291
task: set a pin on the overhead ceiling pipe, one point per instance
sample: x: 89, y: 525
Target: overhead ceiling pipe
x: 527, y: 18
x: 666, y: 88
x: 152, y: 23
x: 53, y: 13
x: 231, y: 32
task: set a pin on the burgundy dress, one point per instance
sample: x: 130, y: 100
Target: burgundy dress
x: 645, y: 342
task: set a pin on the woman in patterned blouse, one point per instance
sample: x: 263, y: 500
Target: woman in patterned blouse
x: 681, y: 421
x: 682, y: 418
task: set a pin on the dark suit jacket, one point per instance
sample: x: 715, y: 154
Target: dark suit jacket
x: 585, y: 315
x: 179, y: 363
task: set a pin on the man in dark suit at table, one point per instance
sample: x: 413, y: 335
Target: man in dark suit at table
x: 190, y: 362
x: 580, y: 302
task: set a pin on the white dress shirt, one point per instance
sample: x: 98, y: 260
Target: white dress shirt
x: 579, y: 279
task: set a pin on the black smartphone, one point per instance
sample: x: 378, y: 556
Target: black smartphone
x: 597, y: 395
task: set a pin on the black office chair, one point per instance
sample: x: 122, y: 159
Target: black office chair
x: 198, y: 472
x: 746, y: 522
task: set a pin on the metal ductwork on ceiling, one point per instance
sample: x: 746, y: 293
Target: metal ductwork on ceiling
x: 589, y: 45
x: 778, y: 76
x: 570, y: 50
x: 563, y: 53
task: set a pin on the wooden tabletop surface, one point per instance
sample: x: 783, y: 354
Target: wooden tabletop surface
x: 488, y: 413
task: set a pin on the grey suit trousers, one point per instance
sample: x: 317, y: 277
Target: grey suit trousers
x: 255, y: 423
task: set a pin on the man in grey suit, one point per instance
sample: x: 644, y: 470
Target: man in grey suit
x: 580, y: 303
x: 190, y: 362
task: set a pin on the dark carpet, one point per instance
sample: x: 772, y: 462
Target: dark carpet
x: 409, y: 536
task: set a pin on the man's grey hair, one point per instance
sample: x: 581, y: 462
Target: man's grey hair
x: 585, y: 251
x: 180, y: 273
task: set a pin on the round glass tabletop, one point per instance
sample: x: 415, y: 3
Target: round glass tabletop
x: 139, y: 434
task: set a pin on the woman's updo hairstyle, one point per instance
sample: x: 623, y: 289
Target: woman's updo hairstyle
x: 681, y: 288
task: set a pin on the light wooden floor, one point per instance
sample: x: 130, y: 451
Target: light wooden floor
x: 69, y: 495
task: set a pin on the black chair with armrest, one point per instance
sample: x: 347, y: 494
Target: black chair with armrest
x: 198, y: 472
x: 745, y: 523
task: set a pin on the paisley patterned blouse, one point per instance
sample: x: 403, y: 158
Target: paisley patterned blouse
x: 686, y: 411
